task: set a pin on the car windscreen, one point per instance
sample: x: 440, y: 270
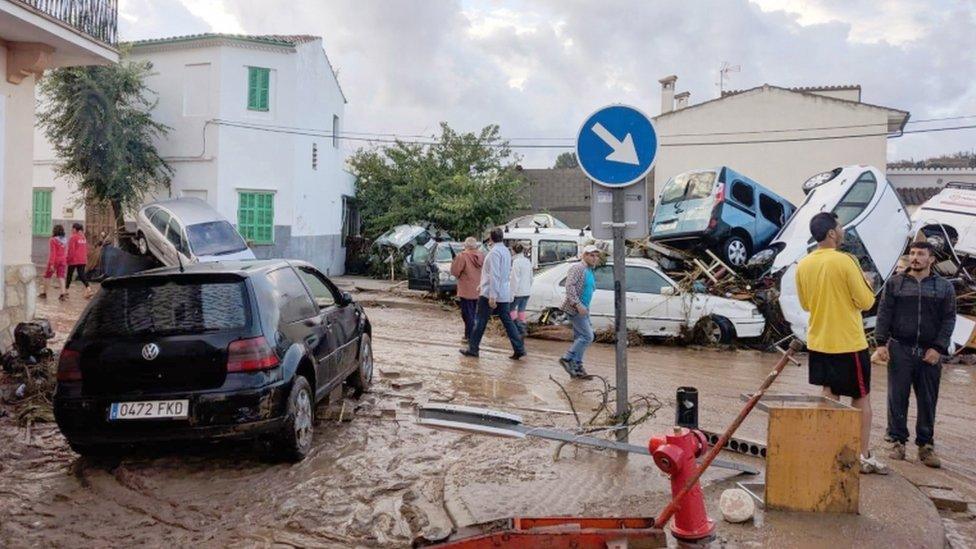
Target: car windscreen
x: 446, y: 252
x: 215, y: 238
x: 688, y: 186
x: 163, y: 306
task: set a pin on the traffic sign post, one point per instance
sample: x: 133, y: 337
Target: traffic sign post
x: 616, y: 147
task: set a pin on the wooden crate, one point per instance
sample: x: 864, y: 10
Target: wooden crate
x: 812, y: 456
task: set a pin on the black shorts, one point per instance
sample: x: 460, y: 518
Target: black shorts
x: 846, y: 374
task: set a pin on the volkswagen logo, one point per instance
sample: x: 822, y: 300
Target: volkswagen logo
x: 150, y: 351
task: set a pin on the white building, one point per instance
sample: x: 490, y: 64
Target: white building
x: 252, y: 119
x: 35, y: 36
x: 777, y: 136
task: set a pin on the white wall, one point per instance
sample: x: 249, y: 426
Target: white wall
x: 784, y: 166
x: 17, y: 167
x: 917, y: 177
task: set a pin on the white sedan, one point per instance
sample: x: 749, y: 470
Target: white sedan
x: 655, y: 305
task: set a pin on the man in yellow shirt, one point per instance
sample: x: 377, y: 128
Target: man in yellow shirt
x: 834, y: 290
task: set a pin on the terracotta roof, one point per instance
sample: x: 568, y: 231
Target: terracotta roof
x: 916, y: 196
x: 272, y: 39
x: 808, y: 89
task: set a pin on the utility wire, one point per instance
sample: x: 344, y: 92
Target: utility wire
x: 330, y: 135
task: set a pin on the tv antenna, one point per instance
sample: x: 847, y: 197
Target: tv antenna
x: 723, y: 75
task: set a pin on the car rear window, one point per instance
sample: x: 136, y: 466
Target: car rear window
x: 165, y: 306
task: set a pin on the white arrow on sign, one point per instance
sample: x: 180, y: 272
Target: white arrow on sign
x: 623, y: 150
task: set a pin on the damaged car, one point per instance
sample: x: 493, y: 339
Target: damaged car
x: 948, y: 219
x: 211, y: 351
x: 877, y: 230
x: 429, y: 267
x: 656, y: 306
x: 720, y: 210
x: 187, y: 230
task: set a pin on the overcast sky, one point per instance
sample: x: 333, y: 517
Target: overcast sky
x: 538, y: 67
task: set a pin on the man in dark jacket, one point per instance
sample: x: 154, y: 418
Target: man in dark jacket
x: 915, y: 321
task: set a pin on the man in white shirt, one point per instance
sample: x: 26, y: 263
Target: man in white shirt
x: 495, y: 298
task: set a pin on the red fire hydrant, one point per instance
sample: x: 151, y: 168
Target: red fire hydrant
x: 675, y: 455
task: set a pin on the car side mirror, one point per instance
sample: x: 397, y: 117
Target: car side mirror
x: 668, y: 290
x: 345, y: 299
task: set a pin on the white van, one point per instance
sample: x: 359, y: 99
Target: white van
x: 950, y: 215
x: 875, y: 221
x: 550, y: 245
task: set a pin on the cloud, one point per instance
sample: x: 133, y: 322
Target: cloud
x: 537, y: 68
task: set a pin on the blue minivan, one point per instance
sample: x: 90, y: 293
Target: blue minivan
x: 721, y: 210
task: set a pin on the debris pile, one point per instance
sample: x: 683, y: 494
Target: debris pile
x: 30, y: 373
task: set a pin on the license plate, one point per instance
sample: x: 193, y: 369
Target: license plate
x: 150, y: 409
x: 667, y: 226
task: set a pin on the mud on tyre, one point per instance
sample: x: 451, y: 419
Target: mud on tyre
x: 296, y: 435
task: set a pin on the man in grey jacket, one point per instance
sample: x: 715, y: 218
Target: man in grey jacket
x: 495, y: 298
x: 580, y: 285
x: 916, y: 317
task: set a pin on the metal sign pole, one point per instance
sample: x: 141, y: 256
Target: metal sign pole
x: 620, y: 304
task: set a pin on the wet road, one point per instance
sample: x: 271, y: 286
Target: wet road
x: 379, y: 479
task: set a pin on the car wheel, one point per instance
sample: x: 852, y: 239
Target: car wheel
x: 361, y: 379
x: 142, y: 245
x: 735, y: 251
x: 299, y: 426
x: 714, y: 330
x: 554, y: 317
x: 937, y: 241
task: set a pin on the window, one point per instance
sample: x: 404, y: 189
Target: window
x: 255, y: 217
x: 644, y: 281
x: 160, y: 220
x: 321, y: 293
x: 772, y: 210
x: 175, y: 236
x: 420, y: 254
x: 196, y: 89
x: 857, y: 198
x: 350, y: 218
x: 258, y: 88
x: 335, y: 130
x: 604, y: 277
x: 315, y: 156
x: 214, y: 238
x: 554, y: 251
x: 688, y: 186
x: 742, y: 193
x: 42, y: 212
x: 445, y: 252
x: 290, y: 295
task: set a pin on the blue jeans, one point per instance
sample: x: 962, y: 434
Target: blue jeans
x: 582, y: 337
x: 501, y: 310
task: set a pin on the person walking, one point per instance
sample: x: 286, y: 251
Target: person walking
x: 78, y: 258
x: 466, y: 267
x: 580, y: 285
x: 57, y: 262
x: 916, y: 317
x: 495, y: 297
x: 834, y: 290
x: 521, y: 287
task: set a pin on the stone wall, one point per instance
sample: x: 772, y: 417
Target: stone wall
x: 19, y: 300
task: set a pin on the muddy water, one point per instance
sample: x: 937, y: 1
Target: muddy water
x: 379, y: 480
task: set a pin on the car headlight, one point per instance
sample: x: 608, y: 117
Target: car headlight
x: 762, y: 258
x: 756, y: 313
x: 445, y: 277
x: 820, y: 179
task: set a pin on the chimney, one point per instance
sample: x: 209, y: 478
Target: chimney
x: 681, y: 100
x: 667, y: 93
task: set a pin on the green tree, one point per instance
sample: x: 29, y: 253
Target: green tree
x: 463, y: 183
x: 566, y: 160
x: 98, y: 119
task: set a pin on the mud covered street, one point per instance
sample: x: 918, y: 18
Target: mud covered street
x: 375, y: 479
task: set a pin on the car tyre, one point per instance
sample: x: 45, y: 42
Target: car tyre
x: 735, y: 251
x: 360, y: 380
x: 142, y: 245
x: 714, y: 330
x: 296, y: 437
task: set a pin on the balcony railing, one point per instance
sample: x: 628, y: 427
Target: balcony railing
x: 96, y: 18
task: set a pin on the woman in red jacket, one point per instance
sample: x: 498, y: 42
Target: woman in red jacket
x: 57, y: 262
x: 78, y: 257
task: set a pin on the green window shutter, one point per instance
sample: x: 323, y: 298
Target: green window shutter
x: 258, y: 88
x: 42, y: 212
x: 255, y: 217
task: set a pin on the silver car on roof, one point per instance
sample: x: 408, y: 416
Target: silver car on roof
x: 187, y: 230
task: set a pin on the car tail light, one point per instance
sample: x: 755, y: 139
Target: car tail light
x: 720, y: 193
x: 69, y: 365
x: 250, y: 355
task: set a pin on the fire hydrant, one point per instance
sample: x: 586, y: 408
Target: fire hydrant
x: 675, y: 455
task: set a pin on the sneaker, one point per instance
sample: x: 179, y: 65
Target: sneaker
x: 466, y: 352
x: 871, y: 464
x: 579, y: 372
x: 569, y: 366
x: 517, y: 355
x: 897, y: 451
x: 927, y: 455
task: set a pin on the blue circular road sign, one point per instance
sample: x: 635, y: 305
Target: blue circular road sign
x: 617, y: 145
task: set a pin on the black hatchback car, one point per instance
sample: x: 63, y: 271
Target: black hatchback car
x: 217, y: 350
